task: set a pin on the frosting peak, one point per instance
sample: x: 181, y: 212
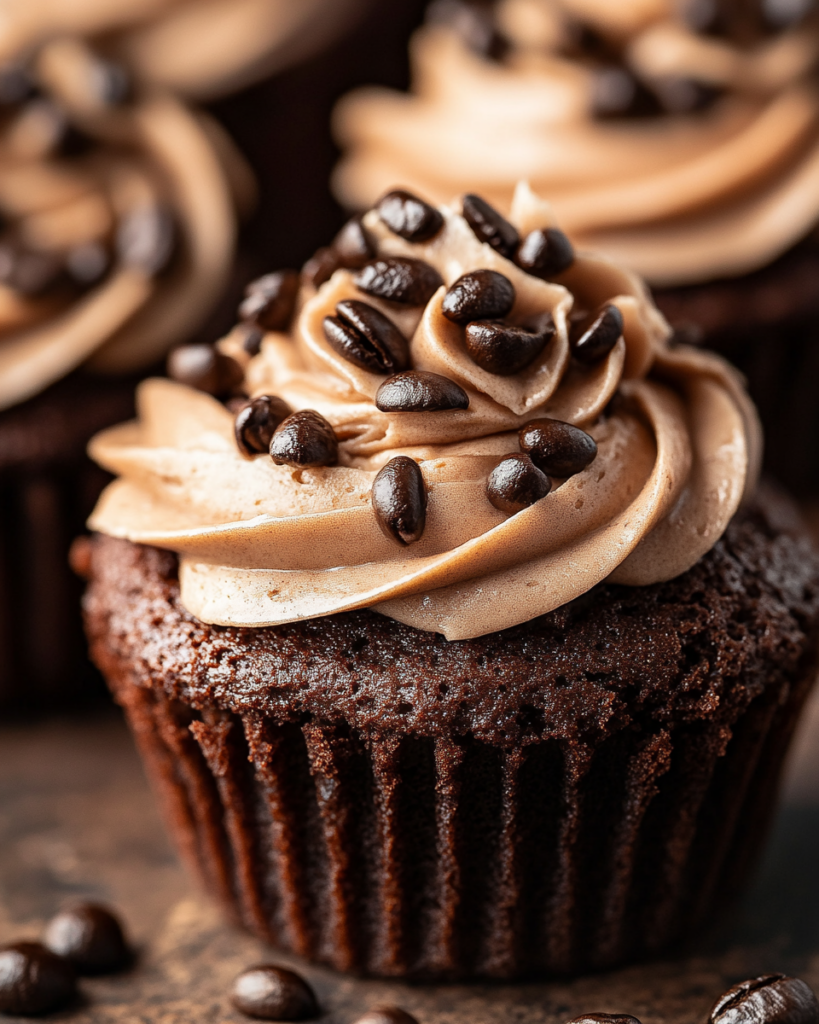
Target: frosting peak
x: 673, y: 442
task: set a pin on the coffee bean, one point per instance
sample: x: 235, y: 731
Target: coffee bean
x: 268, y: 992
x: 28, y: 272
x: 366, y: 338
x: 681, y: 95
x: 110, y: 83
x: 34, y: 980
x: 592, y: 343
x: 617, y: 93
x: 87, y: 263
x: 516, y: 483
x: 16, y: 85
x: 408, y: 216
x: 252, y: 338
x: 353, y: 245
x: 399, y: 279
x: 256, y: 422
x: 145, y: 239
x: 271, y: 300
x: 303, y: 439
x: 205, y: 368
x: 489, y: 226
x: 90, y: 937
x: 473, y: 22
x: 558, y: 448
x: 783, y: 14
x: 481, y: 295
x: 320, y: 267
x: 399, y: 498
x: 545, y: 253
x: 769, y: 999
x: 504, y: 349
x: 604, y: 1018
x: 386, y: 1015
x: 420, y: 391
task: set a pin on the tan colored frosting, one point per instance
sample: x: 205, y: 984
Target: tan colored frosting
x: 679, y: 198
x: 261, y: 544
x: 198, y: 48
x: 150, y: 154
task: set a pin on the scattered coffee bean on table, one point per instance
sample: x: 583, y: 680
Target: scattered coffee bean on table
x: 479, y: 295
x: 399, y: 279
x: 268, y: 992
x: 34, y: 980
x: 386, y: 1015
x: 558, y: 448
x: 90, y: 937
x: 516, y: 483
x: 408, y: 216
x: 256, y: 423
x: 304, y: 439
x: 399, y: 499
x: 489, y: 226
x: 420, y: 391
x: 768, y: 999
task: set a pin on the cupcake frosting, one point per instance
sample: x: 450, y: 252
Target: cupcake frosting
x: 261, y: 544
x: 199, y: 48
x: 118, y: 219
x: 686, y: 151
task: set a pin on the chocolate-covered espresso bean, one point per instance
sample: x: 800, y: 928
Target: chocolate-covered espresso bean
x: 271, y: 300
x: 545, y: 253
x: 420, y: 391
x: 516, y: 483
x: 386, y: 1015
x: 399, y: 279
x: 268, y: 992
x: 304, y: 439
x: 559, y: 449
x: 479, y: 295
x: 505, y: 349
x: 592, y: 343
x: 34, y: 980
x: 408, y: 216
x: 489, y: 226
x: 399, y: 499
x: 90, y: 937
x: 366, y: 338
x: 205, y: 368
x: 768, y: 999
x: 353, y: 245
x: 256, y: 423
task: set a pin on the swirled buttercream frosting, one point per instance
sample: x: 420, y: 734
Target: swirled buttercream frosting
x: 402, y: 406
x: 680, y: 138
x: 117, y: 219
x: 199, y: 48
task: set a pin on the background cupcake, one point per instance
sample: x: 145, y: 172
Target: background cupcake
x: 450, y: 667
x: 680, y: 139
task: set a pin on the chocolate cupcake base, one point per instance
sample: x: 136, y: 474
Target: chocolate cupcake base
x: 566, y: 795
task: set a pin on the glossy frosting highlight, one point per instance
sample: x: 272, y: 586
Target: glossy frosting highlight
x: 260, y: 544
x: 680, y: 198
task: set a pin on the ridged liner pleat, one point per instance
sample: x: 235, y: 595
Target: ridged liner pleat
x: 450, y: 857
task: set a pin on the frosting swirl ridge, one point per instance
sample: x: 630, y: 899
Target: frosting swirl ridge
x: 262, y: 544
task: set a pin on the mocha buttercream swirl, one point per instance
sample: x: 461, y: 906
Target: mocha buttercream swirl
x: 680, y: 198
x: 118, y: 221
x: 261, y: 544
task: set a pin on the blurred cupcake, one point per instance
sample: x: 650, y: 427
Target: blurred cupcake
x: 680, y: 138
x: 454, y: 651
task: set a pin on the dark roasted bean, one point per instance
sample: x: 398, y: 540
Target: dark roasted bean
x: 473, y: 22
x: 34, y: 980
x: 399, y: 498
x: 592, y: 343
x: 545, y: 253
x: 205, y: 368
x: 489, y: 226
x: 304, y: 439
x: 30, y: 273
x: 604, y: 1018
x: 769, y: 999
x: 252, y: 338
x: 516, y: 483
x: 481, y: 295
x: 420, y: 391
x: 386, y: 1015
x: 353, y: 245
x: 616, y: 94
x: 399, y: 279
x: 783, y: 14
x: 366, y: 338
x: 408, y: 216
x: 110, y: 83
x: 268, y: 992
x: 505, y: 349
x: 16, y: 85
x: 90, y: 937
x: 320, y: 267
x: 256, y: 422
x: 681, y: 95
x: 87, y: 263
x: 145, y: 239
x: 558, y: 448
x: 271, y: 300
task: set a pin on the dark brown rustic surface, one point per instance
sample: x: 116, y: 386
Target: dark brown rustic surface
x: 76, y: 819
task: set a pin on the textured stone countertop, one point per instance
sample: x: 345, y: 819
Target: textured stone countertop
x: 77, y: 820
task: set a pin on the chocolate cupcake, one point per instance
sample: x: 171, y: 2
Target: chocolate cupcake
x: 679, y: 138
x: 463, y: 647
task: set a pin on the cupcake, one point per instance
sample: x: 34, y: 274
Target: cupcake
x: 678, y: 138
x: 466, y: 645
